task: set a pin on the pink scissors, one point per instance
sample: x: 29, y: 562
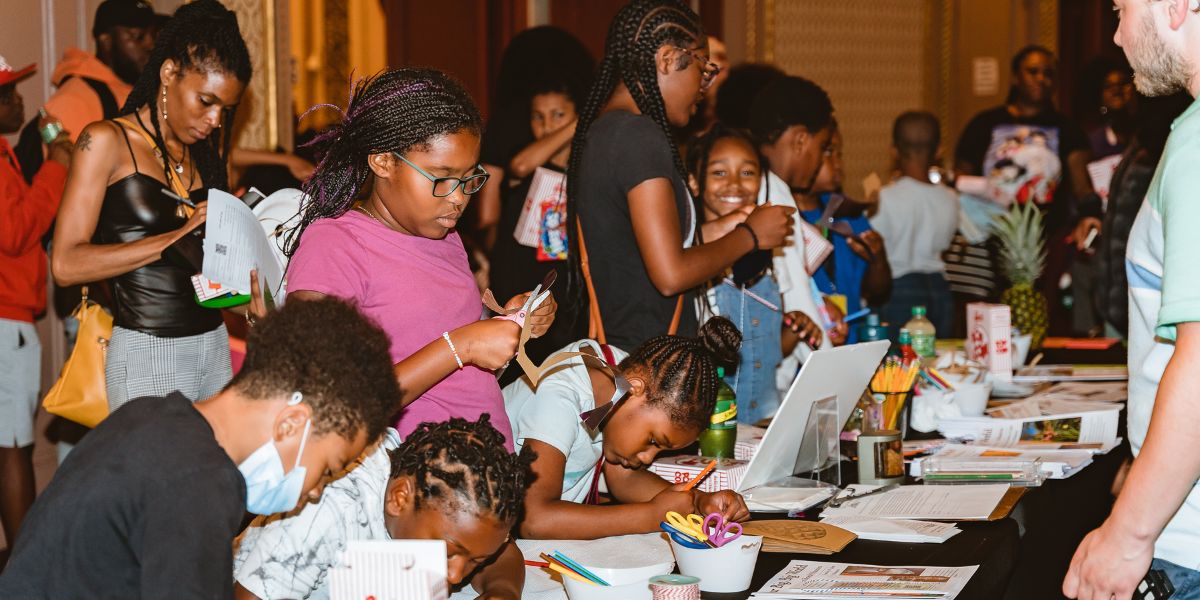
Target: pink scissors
x: 720, y: 531
x: 536, y: 297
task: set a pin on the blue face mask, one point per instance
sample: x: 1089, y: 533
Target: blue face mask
x: 268, y: 489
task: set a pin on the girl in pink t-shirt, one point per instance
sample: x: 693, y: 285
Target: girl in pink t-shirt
x: 409, y: 139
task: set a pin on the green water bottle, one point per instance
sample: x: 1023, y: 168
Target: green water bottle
x: 717, y: 441
x: 924, y: 336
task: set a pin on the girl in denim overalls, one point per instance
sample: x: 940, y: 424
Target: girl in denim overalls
x: 726, y: 172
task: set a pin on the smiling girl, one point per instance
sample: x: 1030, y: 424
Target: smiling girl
x: 408, y: 145
x: 115, y: 222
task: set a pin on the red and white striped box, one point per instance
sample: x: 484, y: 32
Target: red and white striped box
x: 748, y: 439
x: 681, y: 469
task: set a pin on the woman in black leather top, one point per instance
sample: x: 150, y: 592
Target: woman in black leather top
x: 116, y: 221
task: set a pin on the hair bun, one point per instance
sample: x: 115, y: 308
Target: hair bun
x: 721, y: 338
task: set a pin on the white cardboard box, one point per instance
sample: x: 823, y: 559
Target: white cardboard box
x: 989, y: 338
x: 681, y: 469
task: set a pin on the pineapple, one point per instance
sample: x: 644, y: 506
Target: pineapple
x: 1023, y: 256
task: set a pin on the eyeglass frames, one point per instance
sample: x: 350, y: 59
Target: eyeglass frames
x: 444, y: 186
x: 708, y: 69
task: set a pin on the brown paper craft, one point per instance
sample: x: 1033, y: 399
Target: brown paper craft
x: 809, y: 537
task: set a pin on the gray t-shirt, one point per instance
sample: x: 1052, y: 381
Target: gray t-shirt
x: 917, y: 221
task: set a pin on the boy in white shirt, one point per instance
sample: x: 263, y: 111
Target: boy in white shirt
x: 917, y: 220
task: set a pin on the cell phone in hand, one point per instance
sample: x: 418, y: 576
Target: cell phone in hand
x: 50, y: 130
x: 1155, y: 586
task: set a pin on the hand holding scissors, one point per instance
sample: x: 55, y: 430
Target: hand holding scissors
x: 719, y: 531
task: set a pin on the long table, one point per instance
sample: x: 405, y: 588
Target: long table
x: 1022, y: 557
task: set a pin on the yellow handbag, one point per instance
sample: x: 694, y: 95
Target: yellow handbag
x: 80, y: 393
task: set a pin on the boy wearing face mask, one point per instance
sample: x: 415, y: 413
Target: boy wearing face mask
x: 149, y: 503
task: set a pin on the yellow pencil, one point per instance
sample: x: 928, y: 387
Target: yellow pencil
x: 571, y: 574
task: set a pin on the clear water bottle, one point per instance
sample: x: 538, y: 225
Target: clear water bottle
x: 924, y: 335
x: 718, y: 440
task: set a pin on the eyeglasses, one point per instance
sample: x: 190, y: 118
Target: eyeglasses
x: 708, y: 69
x: 444, y: 186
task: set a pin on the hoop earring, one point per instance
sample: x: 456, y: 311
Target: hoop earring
x: 164, y: 103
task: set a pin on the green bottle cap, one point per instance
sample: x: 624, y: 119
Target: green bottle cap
x: 918, y: 311
x: 720, y: 372
x: 905, y: 337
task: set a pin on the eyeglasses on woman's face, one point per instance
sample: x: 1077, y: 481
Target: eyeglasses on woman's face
x: 708, y: 69
x: 444, y: 186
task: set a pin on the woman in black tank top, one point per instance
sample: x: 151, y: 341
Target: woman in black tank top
x: 116, y: 224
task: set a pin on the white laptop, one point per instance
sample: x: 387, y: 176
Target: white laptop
x: 843, y: 373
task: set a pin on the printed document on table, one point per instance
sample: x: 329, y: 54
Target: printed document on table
x: 1028, y: 423
x: 235, y: 243
x: 934, y: 502
x: 895, y: 530
x: 820, y: 581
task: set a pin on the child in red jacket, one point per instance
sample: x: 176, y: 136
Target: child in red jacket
x: 26, y: 212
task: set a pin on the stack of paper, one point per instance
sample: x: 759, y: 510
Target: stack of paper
x: 1062, y: 424
x: 895, y: 530
x: 833, y: 581
x: 799, y: 536
x: 1096, y: 391
x: 933, y: 502
x: 1044, y: 373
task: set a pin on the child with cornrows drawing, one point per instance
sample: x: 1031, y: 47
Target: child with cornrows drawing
x: 627, y: 185
x: 450, y: 481
x: 673, y: 390
x: 408, y: 146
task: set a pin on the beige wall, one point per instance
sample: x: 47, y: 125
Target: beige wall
x: 878, y: 58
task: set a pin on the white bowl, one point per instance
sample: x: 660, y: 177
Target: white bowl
x: 627, y: 584
x: 727, y: 569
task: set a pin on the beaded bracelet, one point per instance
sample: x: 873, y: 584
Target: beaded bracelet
x: 446, y: 336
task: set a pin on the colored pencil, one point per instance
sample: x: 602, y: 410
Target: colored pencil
x: 712, y: 464
x: 536, y: 563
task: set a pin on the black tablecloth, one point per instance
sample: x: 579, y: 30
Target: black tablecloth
x: 1021, y: 557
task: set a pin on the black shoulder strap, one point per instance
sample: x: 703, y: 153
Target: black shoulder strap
x: 108, y: 102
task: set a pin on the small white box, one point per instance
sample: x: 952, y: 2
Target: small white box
x: 989, y: 338
x: 681, y: 469
x: 748, y: 439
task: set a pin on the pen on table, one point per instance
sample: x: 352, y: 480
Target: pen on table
x: 712, y: 464
x: 178, y: 198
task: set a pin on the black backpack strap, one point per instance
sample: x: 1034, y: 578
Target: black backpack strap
x: 108, y: 102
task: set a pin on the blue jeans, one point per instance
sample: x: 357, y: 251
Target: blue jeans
x: 760, y: 354
x: 1186, y: 581
x: 920, y: 289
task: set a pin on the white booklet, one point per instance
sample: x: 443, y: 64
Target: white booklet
x: 895, y: 530
x: 235, y: 243
x: 807, y: 580
x: 391, y: 569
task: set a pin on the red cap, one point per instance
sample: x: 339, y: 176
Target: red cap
x: 8, y: 75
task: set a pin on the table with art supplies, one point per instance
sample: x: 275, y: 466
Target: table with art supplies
x: 878, y: 477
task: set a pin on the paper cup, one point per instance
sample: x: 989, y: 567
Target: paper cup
x: 972, y: 398
x: 627, y: 584
x: 727, y: 569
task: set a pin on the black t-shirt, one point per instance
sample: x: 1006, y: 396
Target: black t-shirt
x: 986, y: 132
x: 621, y: 151
x: 146, y: 506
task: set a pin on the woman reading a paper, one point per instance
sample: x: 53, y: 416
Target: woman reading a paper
x: 116, y: 224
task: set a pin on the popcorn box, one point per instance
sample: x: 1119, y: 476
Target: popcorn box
x: 748, y: 439
x: 681, y: 469
x: 989, y: 338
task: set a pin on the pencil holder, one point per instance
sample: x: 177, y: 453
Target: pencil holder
x: 888, y: 412
x: 727, y: 569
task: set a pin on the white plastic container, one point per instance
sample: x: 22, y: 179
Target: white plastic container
x: 972, y: 398
x: 626, y: 584
x: 727, y: 569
